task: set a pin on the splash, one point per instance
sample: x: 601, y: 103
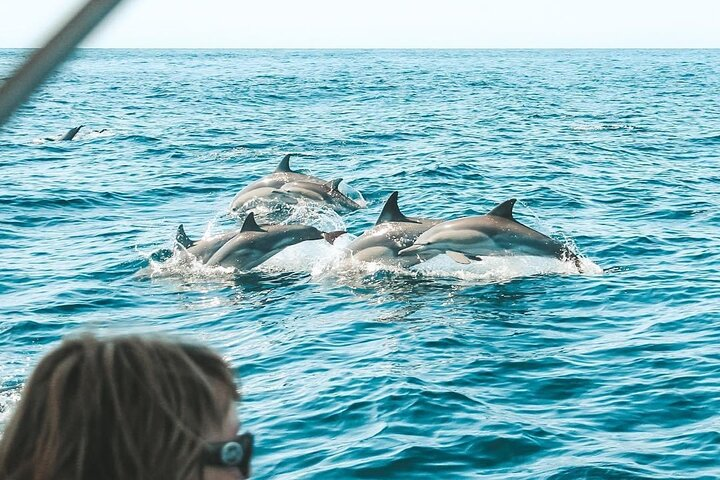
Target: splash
x: 184, y: 265
x: 593, y: 127
x: 316, y: 258
x: 487, y: 270
x: 348, y: 270
x: 304, y: 212
x: 8, y: 400
x: 352, y: 193
x: 501, y: 269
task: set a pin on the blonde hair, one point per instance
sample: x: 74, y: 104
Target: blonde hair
x: 119, y: 408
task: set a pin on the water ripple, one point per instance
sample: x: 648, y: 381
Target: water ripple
x: 517, y: 369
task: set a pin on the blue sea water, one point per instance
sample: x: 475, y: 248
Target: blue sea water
x: 508, y: 369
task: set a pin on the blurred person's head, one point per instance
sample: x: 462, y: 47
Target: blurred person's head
x: 126, y: 408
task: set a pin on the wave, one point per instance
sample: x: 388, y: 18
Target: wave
x: 708, y: 140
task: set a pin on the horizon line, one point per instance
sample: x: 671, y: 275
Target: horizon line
x: 375, y: 48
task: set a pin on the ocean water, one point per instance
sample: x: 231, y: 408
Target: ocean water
x: 511, y: 368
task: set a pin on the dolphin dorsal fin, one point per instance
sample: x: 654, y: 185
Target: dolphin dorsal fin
x: 391, y: 212
x: 334, y: 184
x: 72, y: 132
x: 182, y: 238
x: 250, y: 225
x: 504, y: 210
x: 284, y: 165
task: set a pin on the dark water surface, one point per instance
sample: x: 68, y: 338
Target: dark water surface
x: 508, y: 370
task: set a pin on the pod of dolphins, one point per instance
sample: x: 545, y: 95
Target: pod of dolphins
x: 395, y: 240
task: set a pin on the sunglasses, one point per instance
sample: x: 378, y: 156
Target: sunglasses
x: 233, y: 453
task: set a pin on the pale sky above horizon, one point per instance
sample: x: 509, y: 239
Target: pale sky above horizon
x: 377, y: 24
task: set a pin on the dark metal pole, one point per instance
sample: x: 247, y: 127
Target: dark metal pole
x: 43, y: 61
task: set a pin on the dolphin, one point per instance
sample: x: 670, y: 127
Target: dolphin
x: 264, y: 187
x: 392, y: 232
x: 203, y: 249
x: 269, y: 193
x: 252, y: 245
x: 71, y: 133
x: 494, y: 234
x: 326, y: 192
x: 68, y: 136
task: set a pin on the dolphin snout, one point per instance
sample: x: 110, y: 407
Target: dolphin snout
x: 330, y: 237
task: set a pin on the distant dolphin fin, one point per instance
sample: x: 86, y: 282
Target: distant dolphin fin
x: 391, y: 212
x: 458, y: 257
x: 249, y: 225
x: 334, y: 184
x: 284, y: 165
x: 71, y: 133
x: 504, y: 210
x: 182, y: 238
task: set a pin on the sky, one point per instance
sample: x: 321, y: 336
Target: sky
x: 376, y: 24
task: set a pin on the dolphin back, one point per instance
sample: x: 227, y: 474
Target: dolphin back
x: 251, y: 247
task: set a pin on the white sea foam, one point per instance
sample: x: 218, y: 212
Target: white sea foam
x: 304, y: 212
x: 497, y: 269
x: 352, y: 193
x: 317, y: 257
x: 315, y: 215
x: 8, y: 400
x: 185, y: 265
x: 591, y: 127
